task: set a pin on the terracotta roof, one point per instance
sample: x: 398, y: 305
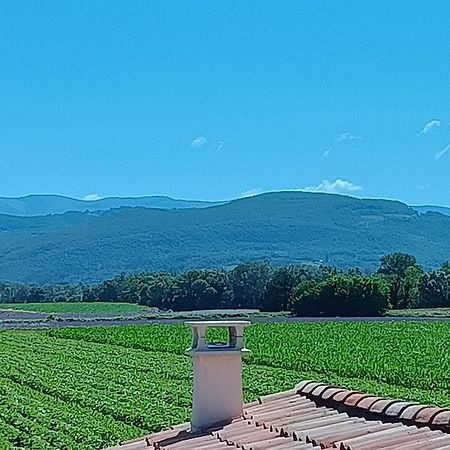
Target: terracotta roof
x: 315, y: 416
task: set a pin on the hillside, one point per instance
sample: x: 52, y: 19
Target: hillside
x: 41, y: 205
x: 284, y: 227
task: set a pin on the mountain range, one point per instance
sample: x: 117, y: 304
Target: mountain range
x: 41, y: 205
x: 281, y: 227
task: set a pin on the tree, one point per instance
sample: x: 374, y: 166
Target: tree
x: 306, y: 299
x: 342, y: 295
x: 395, y: 267
x: 13, y: 293
x: 107, y: 292
x: 410, y: 286
x: 445, y: 267
x: 277, y: 295
x: 202, y: 289
x: 160, y: 291
x: 396, y: 264
x: 133, y: 288
x: 434, y: 290
x: 369, y: 296
x: 249, y: 283
x: 36, y: 294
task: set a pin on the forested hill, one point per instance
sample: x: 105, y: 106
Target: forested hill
x: 41, y: 205
x: 284, y: 227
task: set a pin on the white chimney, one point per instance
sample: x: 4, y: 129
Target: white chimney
x: 217, y: 395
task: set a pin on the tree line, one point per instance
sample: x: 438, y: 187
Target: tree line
x: 306, y: 290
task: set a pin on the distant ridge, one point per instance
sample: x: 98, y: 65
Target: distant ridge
x: 281, y: 227
x: 429, y: 208
x: 42, y: 205
x: 45, y: 204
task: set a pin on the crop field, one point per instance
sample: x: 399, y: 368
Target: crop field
x: 76, y: 308
x: 86, y: 388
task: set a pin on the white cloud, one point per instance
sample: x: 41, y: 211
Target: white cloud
x: 348, y: 137
x: 326, y: 153
x: 440, y: 154
x: 198, y: 142
x: 92, y: 197
x: 219, y: 146
x: 251, y: 192
x: 334, y: 187
x: 423, y: 186
x: 430, y: 126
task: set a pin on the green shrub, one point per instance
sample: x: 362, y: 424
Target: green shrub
x: 342, y: 295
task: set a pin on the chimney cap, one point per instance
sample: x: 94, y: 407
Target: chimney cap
x: 235, y: 341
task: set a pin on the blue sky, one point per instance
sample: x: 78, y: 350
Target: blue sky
x: 218, y: 99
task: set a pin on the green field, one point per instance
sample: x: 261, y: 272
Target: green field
x: 85, y: 388
x: 76, y: 308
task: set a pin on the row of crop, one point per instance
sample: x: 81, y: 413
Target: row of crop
x: 172, y: 364
x: 40, y: 421
x: 8, y: 433
x: 133, y: 395
x: 97, y: 355
x: 409, y: 355
x: 402, y: 354
x: 156, y: 337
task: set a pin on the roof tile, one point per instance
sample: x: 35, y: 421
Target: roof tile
x: 427, y: 415
x: 366, y: 403
x: 442, y: 418
x: 355, y: 398
x: 396, y: 408
x: 410, y: 412
x: 318, y: 391
x: 292, y: 421
x: 300, y: 386
x: 307, y: 389
x: 342, y: 396
x: 328, y: 393
x: 381, y: 405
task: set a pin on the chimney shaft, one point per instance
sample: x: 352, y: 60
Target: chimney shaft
x: 217, y: 393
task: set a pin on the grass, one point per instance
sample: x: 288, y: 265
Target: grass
x: 121, y: 311
x: 87, y: 388
x: 423, y: 312
x: 75, y: 308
